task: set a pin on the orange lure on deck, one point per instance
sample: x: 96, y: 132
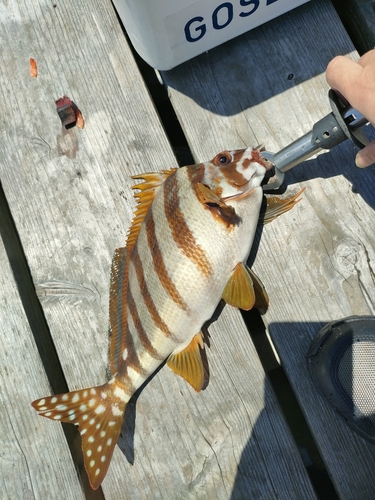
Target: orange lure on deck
x: 186, y: 249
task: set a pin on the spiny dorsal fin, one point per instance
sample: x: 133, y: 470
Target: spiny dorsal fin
x: 239, y: 291
x: 117, y: 307
x: 144, y: 198
x: 261, y: 296
x: 99, y: 418
x: 120, y: 264
x: 188, y: 363
x: 276, y: 206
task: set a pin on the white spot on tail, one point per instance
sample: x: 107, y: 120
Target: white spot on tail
x: 61, y: 407
x: 83, y: 431
x: 111, y: 423
x: 92, y: 392
x: 100, y: 409
x: 102, y: 434
x: 97, y: 472
x: 91, y: 439
x: 92, y: 421
x: 121, y: 394
x: 53, y: 400
x: 116, y: 412
x: 83, y: 407
x: 109, y: 442
x: 103, y: 395
x: 57, y: 417
x: 89, y: 453
x: 125, y: 354
x: 65, y: 397
x: 75, y: 398
x: 41, y: 402
x: 92, y: 463
x: 103, y: 458
x: 92, y: 402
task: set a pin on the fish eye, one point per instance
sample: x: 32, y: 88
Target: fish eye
x: 223, y: 159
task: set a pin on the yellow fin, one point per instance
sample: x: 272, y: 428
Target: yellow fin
x: 261, y: 296
x: 276, y: 206
x: 188, y: 363
x: 145, y: 197
x: 239, y: 291
x: 219, y: 208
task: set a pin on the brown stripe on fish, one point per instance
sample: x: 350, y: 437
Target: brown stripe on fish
x: 149, y: 303
x: 142, y: 335
x: 233, y: 176
x: 181, y: 232
x: 159, y: 265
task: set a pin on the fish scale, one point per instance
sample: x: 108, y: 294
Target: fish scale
x: 186, y: 249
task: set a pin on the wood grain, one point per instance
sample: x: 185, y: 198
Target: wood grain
x: 317, y: 261
x: 69, y: 194
x: 34, y: 456
x: 358, y: 17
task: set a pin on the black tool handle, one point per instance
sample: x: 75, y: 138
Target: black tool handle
x: 343, y: 123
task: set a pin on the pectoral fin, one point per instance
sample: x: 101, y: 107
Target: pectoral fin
x: 239, y: 291
x: 226, y: 213
x: 276, y: 206
x: 188, y: 363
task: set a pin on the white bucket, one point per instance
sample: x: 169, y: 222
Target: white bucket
x: 166, y: 33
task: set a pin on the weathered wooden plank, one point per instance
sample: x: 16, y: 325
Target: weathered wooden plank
x: 69, y: 194
x: 268, y: 86
x: 34, y: 456
x: 358, y: 17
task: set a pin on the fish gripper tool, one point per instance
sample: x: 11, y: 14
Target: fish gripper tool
x: 344, y: 122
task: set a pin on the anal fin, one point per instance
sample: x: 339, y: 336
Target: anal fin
x: 239, y: 291
x: 188, y: 363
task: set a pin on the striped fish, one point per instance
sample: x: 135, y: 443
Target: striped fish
x: 186, y: 249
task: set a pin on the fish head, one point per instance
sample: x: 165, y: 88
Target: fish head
x: 233, y: 174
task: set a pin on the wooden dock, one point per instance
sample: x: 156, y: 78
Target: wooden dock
x: 66, y: 204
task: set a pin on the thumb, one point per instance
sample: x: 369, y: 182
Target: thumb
x: 366, y: 156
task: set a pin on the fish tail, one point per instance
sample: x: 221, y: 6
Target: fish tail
x: 99, y: 413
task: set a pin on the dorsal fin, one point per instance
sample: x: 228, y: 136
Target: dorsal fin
x: 120, y: 264
x: 144, y: 198
x: 117, y: 307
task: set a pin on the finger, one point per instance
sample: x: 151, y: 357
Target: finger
x: 368, y: 58
x: 343, y: 75
x: 366, y: 156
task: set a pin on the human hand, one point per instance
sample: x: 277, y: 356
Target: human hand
x: 356, y: 82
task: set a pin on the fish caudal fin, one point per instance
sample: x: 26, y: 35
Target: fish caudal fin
x: 99, y: 413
